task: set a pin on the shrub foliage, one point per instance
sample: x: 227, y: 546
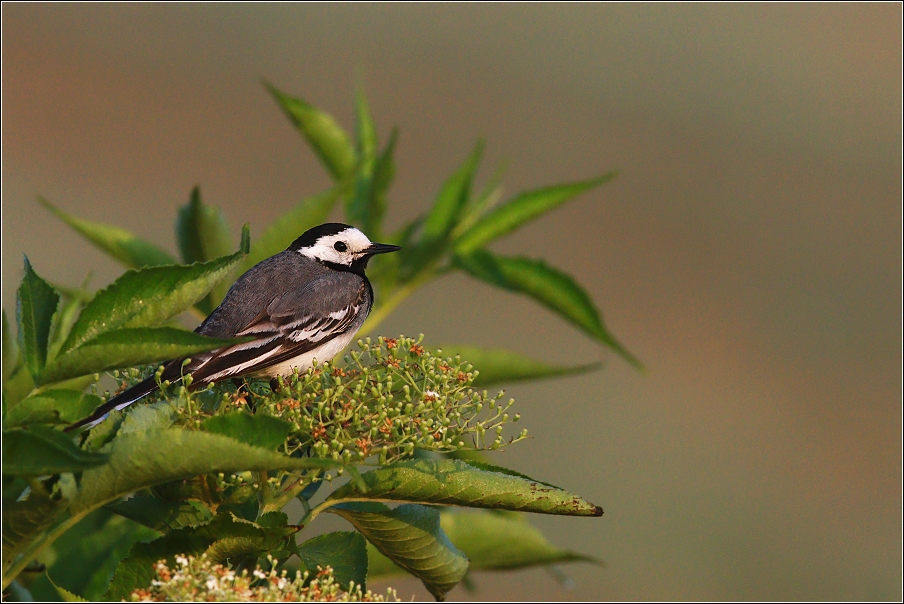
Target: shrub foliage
x: 200, y: 480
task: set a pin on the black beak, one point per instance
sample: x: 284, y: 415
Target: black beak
x: 381, y: 248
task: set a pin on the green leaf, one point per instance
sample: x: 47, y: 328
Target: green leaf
x: 36, y: 302
x: 365, y: 129
x: 379, y: 566
x: 143, y: 459
x: 23, y: 520
x: 288, y: 227
x: 148, y: 297
x: 119, y: 243
x: 548, y: 286
x: 455, y: 482
x: 345, y: 552
x: 443, y: 217
x: 367, y: 206
x: 130, y: 347
x: 65, y: 594
x: 202, y: 231
x: 19, y: 385
x: 491, y: 541
x: 137, y: 570
x: 85, y: 557
x: 499, y: 366
x: 451, y: 200
x: 224, y: 537
x: 232, y: 549
x: 63, y: 321
x: 410, y: 536
x: 323, y: 133
x: 260, y: 430
x: 203, y: 234
x: 162, y: 516
x: 494, y: 541
x: 58, y: 406
x: 40, y: 450
x: 147, y: 418
x: 10, y: 351
x: 521, y: 209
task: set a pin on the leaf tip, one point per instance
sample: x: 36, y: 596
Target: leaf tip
x: 245, y: 245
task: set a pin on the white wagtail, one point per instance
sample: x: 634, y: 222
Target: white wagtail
x: 302, y: 304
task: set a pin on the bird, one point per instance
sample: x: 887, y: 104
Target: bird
x: 305, y: 303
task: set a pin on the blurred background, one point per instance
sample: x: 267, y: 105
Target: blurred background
x: 749, y: 252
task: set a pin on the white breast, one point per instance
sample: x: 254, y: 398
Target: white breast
x: 304, y: 361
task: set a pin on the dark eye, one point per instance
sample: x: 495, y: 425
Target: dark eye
x: 340, y: 246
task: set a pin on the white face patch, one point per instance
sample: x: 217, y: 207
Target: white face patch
x: 352, y: 240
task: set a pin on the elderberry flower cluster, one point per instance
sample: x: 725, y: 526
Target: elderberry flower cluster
x: 199, y: 580
x: 380, y: 403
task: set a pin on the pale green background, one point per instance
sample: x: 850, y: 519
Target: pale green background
x: 749, y: 253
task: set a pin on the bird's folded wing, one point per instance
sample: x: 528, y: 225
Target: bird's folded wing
x: 292, y: 324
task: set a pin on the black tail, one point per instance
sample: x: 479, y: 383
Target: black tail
x: 124, y: 399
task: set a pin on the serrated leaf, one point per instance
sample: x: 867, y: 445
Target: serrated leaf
x: 548, y: 286
x: 259, y: 430
x: 160, y: 515
x: 455, y: 482
x: 65, y: 594
x: 288, y: 227
x: 327, y: 138
x: 147, y: 418
x: 410, y: 536
x: 203, y: 234
x: 494, y: 541
x: 127, y: 348
x: 148, y: 297
x: 345, y: 552
x: 228, y: 550
x: 119, y: 243
x: 521, y: 209
x: 499, y: 366
x: 63, y: 321
x: 36, y: 302
x: 58, y: 406
x: 39, y: 450
x: 10, y: 351
x: 144, y: 459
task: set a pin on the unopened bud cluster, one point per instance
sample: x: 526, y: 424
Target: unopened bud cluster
x: 200, y: 580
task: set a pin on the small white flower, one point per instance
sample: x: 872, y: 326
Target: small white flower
x: 257, y: 573
x: 182, y: 560
x: 281, y: 584
x: 211, y: 583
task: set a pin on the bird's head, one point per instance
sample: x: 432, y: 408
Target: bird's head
x: 339, y: 246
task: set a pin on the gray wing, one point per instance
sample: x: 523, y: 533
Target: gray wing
x: 315, y: 306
